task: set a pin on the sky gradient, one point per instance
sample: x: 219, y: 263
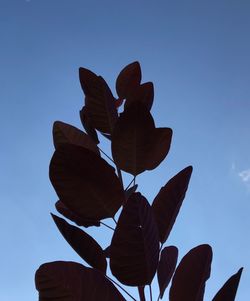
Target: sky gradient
x: 197, y: 55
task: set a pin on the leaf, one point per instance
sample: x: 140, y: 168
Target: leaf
x: 161, y: 141
x: 128, y: 79
x: 130, y: 191
x: 89, y: 81
x: 166, y: 267
x: 107, y: 252
x: 229, y: 289
x: 85, y: 182
x: 66, y: 133
x: 191, y: 274
x: 64, y: 210
x: 86, y: 122
x: 118, y: 102
x: 136, y: 144
x: 84, y: 245
x: 168, y: 201
x: 143, y: 93
x: 134, y: 247
x: 99, y: 101
x: 70, y: 281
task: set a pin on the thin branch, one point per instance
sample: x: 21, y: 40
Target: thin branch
x: 161, y: 247
x: 114, y: 220
x: 107, y: 226
x: 121, y: 287
x: 150, y: 290
x: 106, y: 155
x: 130, y: 184
x: 119, y: 175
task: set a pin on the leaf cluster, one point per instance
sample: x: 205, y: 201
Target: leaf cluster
x: 91, y: 189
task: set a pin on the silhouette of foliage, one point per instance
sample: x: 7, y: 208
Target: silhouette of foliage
x: 134, y: 249
x: 90, y: 190
x: 229, y: 289
x: 166, y: 267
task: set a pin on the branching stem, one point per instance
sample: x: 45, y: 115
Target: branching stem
x: 130, y: 184
x: 121, y: 287
x: 106, y: 155
x: 150, y: 291
x: 102, y: 223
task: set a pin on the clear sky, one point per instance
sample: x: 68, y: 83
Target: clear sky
x: 197, y: 55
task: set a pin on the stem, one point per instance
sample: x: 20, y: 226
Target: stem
x: 106, y: 155
x: 119, y: 175
x: 120, y: 287
x: 107, y: 226
x: 141, y: 293
x: 114, y: 220
x: 130, y: 184
x: 161, y: 247
x: 150, y: 290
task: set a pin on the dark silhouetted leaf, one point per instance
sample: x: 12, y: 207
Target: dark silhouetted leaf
x: 136, y: 144
x: 107, y: 252
x: 86, y: 122
x: 99, y: 101
x: 166, y: 267
x: 143, y: 93
x: 89, y: 81
x: 85, y: 182
x: 161, y: 141
x: 70, y: 281
x: 66, y: 133
x: 168, y: 201
x: 66, y: 212
x: 84, y: 245
x: 130, y: 191
x: 229, y: 289
x: 134, y: 248
x: 191, y: 274
x: 128, y: 79
x: 119, y: 102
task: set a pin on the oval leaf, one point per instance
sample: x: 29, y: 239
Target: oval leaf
x: 128, y: 79
x: 134, y: 249
x: 85, y: 182
x: 84, y: 245
x: 66, y: 133
x: 70, y: 281
x: 229, y: 289
x: 168, y: 201
x: 166, y: 267
x: 161, y: 141
x: 99, y: 101
x: 89, y: 81
x: 144, y: 94
x: 136, y: 144
x: 86, y: 122
x: 191, y: 274
x: 64, y: 210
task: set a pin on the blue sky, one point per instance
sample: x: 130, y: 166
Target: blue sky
x: 197, y: 55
